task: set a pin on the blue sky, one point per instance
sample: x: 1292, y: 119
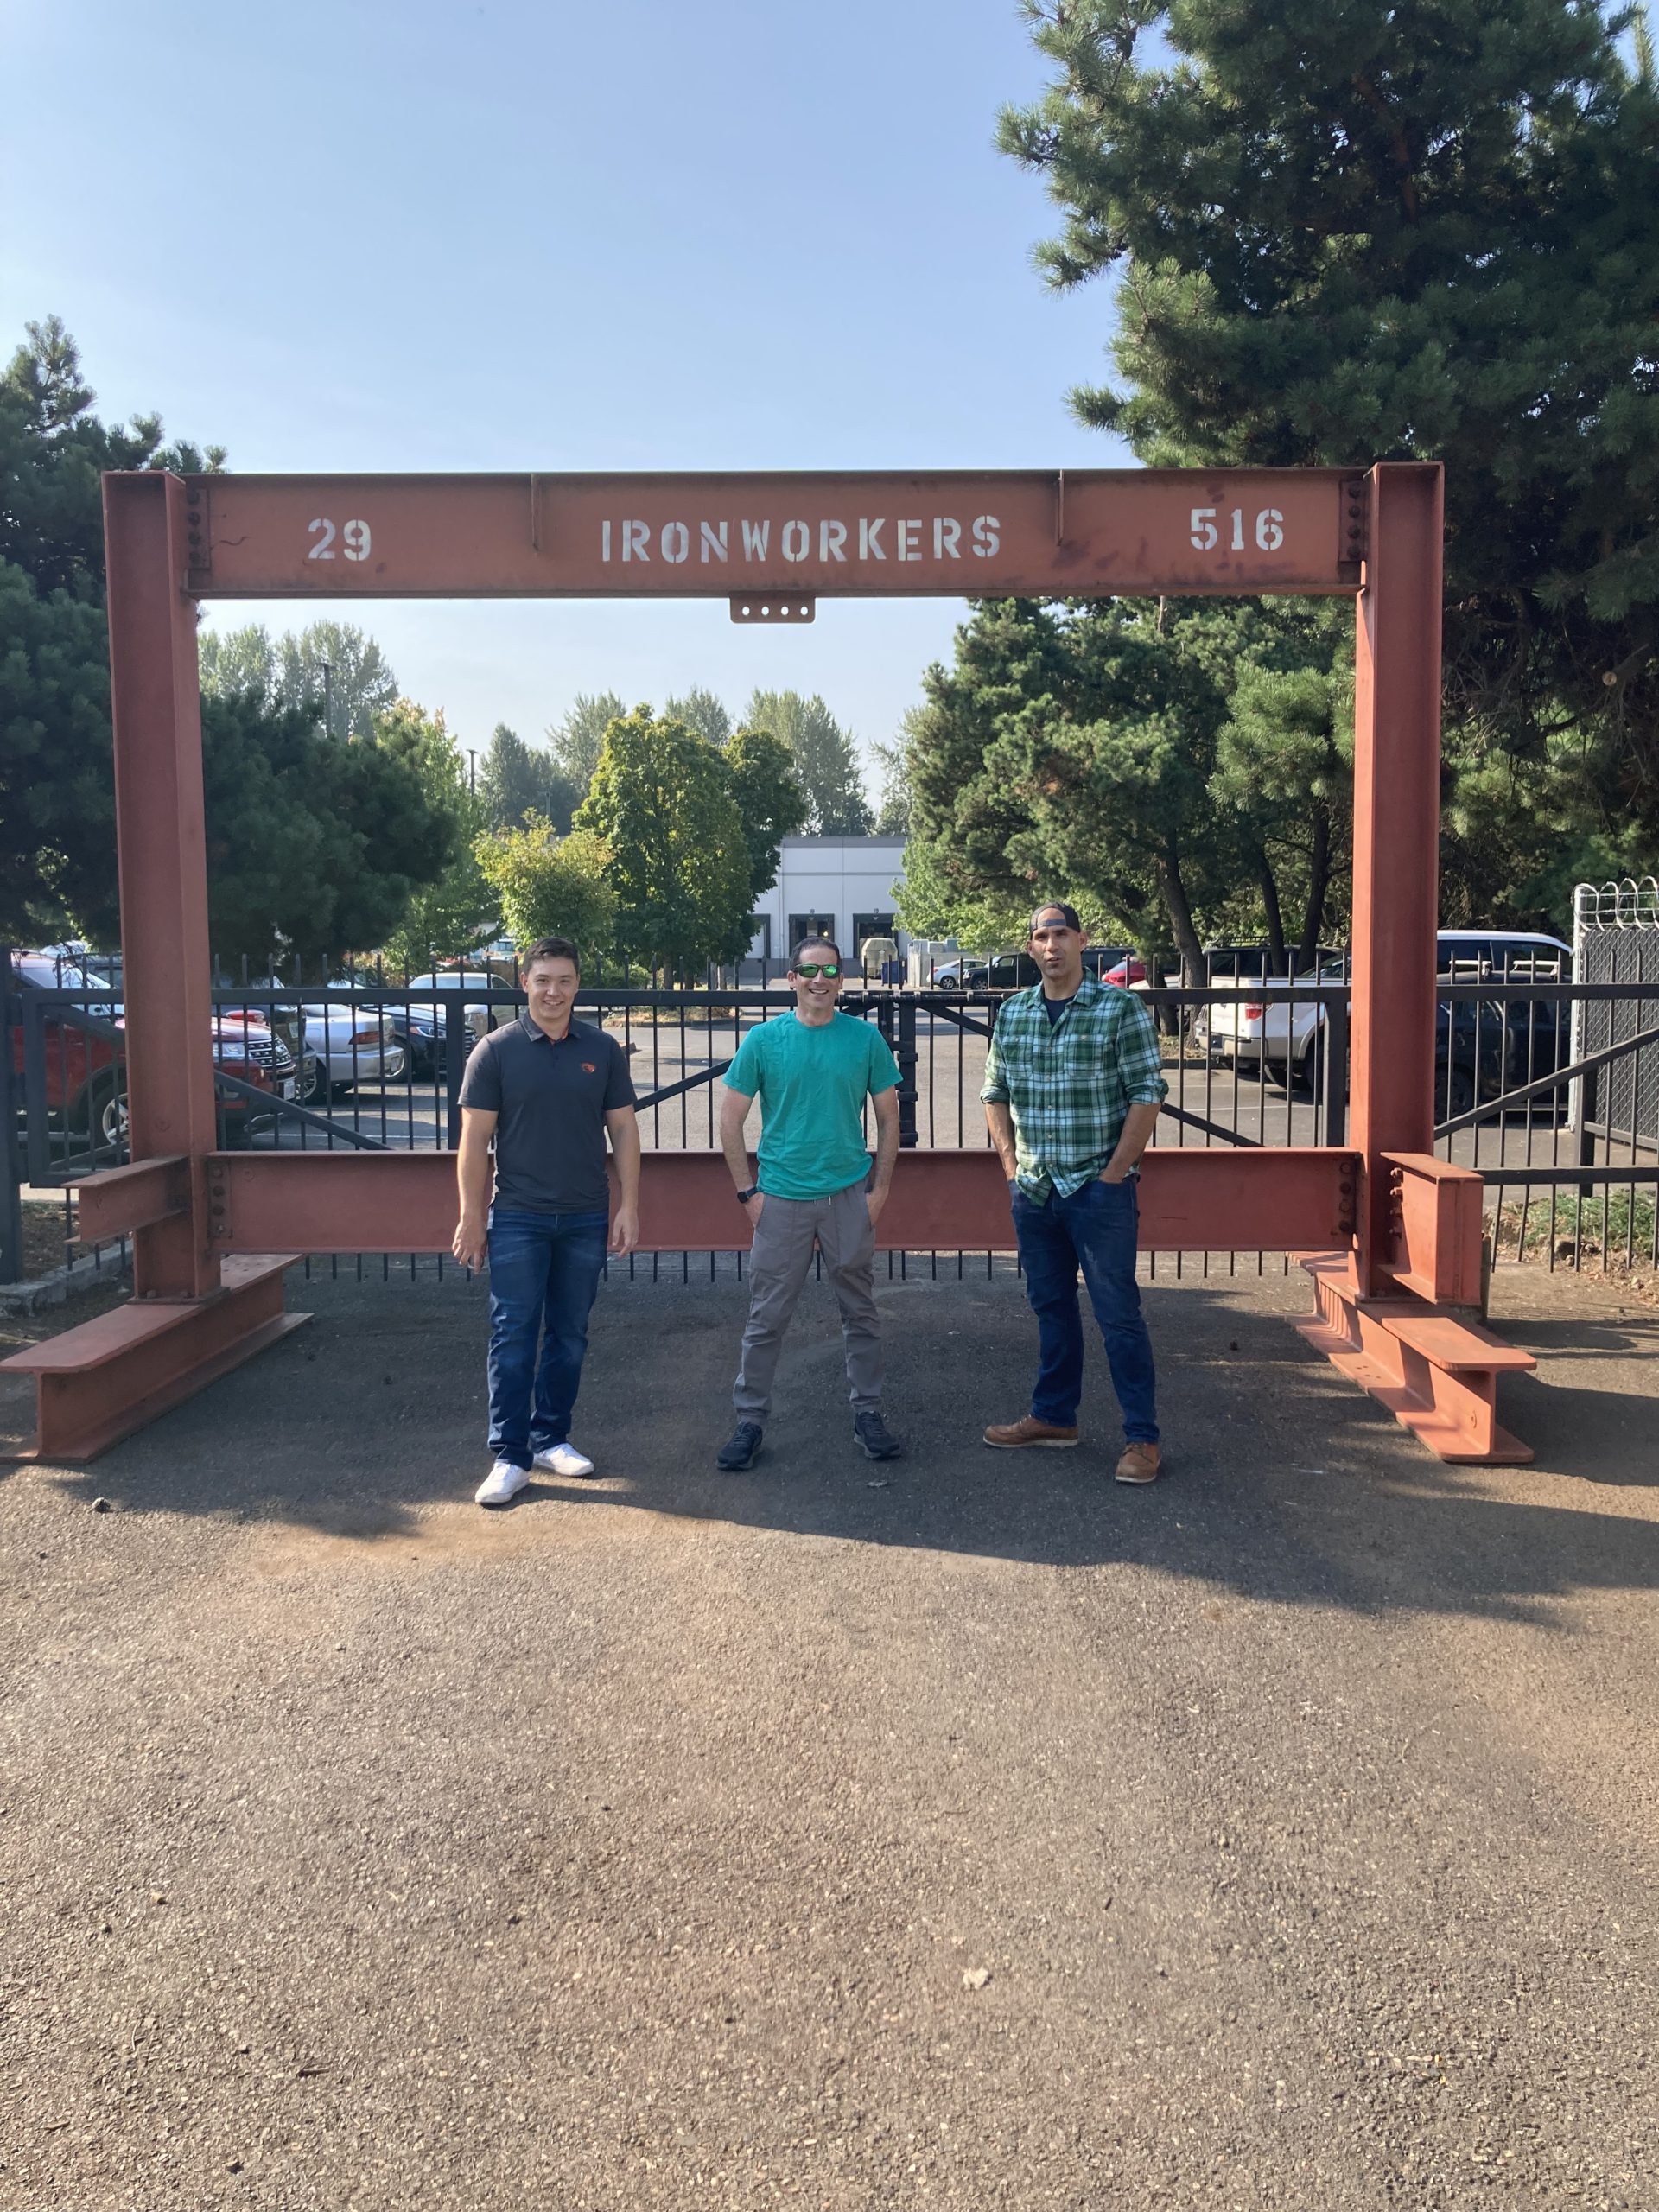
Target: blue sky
x: 716, y: 234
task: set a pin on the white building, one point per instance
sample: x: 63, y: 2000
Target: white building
x: 843, y: 887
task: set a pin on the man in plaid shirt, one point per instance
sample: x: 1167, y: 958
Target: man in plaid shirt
x: 1072, y: 1089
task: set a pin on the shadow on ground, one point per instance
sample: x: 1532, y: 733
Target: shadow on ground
x: 1286, y: 1483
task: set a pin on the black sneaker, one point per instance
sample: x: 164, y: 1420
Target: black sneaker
x: 877, y: 1439
x: 739, y: 1450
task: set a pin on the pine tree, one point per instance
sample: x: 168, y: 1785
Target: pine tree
x: 57, y: 790
x: 1342, y: 232
x: 1146, y: 758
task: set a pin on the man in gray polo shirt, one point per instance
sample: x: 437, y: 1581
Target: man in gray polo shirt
x: 547, y: 1089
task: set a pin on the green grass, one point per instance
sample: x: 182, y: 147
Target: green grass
x: 1617, y: 1227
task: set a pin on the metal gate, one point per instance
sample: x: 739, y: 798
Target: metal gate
x: 1616, y: 940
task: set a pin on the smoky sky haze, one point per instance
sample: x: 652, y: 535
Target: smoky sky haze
x: 658, y: 234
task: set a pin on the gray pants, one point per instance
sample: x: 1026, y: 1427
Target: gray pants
x: 780, y: 1262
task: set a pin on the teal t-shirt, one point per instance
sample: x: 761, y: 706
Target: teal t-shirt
x: 812, y: 1084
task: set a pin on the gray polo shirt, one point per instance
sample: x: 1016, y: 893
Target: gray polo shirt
x: 551, y: 1100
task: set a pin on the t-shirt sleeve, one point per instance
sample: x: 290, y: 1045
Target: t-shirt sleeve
x: 744, y: 1074
x: 618, y: 1080
x: 884, y: 1069
x: 481, y: 1085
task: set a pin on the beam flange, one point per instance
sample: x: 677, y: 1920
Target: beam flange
x: 96, y: 1383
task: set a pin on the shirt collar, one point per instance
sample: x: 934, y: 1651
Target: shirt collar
x: 1086, y: 993
x: 537, y: 1034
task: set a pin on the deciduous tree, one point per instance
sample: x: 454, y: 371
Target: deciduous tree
x: 702, y: 711
x: 661, y: 799
x: 332, y: 671
x: 577, y: 742
x: 771, y: 804
x: 550, y: 885
x: 824, y: 757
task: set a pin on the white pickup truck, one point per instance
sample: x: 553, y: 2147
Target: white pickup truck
x: 1282, y: 1038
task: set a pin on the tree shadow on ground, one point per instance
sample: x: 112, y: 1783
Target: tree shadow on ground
x: 1286, y: 1483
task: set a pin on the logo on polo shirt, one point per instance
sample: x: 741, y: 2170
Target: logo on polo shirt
x: 589, y: 1068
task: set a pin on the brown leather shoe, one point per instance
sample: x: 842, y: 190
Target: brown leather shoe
x: 1014, y: 1435
x: 1141, y: 1462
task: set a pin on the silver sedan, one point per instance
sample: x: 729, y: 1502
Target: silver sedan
x: 342, y: 1046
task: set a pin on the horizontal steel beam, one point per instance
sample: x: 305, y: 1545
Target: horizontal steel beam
x: 1300, y: 1199
x: 121, y: 1199
x: 951, y: 534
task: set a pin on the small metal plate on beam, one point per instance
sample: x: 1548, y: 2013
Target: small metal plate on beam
x: 774, y: 607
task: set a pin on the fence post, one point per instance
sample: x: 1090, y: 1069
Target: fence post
x: 11, y: 1164
x: 1586, y: 1145
x: 906, y: 1056
x: 456, y: 1041
x: 1336, y: 1070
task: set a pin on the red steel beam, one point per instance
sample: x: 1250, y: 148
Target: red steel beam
x: 1438, y: 1226
x: 1265, y: 1199
x: 957, y: 534
x: 166, y: 981
x: 1397, y: 839
x: 122, y: 1199
x: 99, y: 1382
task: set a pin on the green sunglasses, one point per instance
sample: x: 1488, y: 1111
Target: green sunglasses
x: 810, y: 967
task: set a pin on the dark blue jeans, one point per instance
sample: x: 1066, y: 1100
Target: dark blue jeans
x: 1094, y: 1229
x: 544, y: 1271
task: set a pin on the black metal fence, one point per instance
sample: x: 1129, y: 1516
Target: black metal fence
x: 326, y: 1061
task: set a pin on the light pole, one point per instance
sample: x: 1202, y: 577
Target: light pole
x: 328, y: 699
x: 471, y: 772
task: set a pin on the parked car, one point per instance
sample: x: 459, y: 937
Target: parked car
x: 419, y: 1025
x: 1483, y: 1045
x: 1004, y: 971
x: 1017, y: 971
x: 344, y: 1043
x: 84, y: 1067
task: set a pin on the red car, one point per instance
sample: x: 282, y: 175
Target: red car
x: 1130, y: 970
x: 85, y: 1072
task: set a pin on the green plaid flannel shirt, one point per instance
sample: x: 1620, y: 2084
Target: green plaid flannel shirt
x: 1071, y: 1083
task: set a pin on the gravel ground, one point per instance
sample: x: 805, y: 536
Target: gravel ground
x: 963, y: 1831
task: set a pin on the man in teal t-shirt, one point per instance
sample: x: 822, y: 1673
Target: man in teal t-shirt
x: 812, y: 1070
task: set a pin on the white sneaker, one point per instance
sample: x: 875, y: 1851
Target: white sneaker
x: 502, y: 1484
x: 565, y: 1459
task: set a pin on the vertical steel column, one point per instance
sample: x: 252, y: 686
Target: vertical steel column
x: 1396, y: 837
x: 166, y: 980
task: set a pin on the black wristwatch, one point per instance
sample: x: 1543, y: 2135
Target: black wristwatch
x: 753, y: 1192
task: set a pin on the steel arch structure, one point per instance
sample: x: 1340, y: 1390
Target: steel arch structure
x: 1396, y: 1233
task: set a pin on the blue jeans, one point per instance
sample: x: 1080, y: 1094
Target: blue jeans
x: 544, y: 1271
x: 1095, y: 1229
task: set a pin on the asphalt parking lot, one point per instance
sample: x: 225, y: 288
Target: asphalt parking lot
x: 960, y: 1831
